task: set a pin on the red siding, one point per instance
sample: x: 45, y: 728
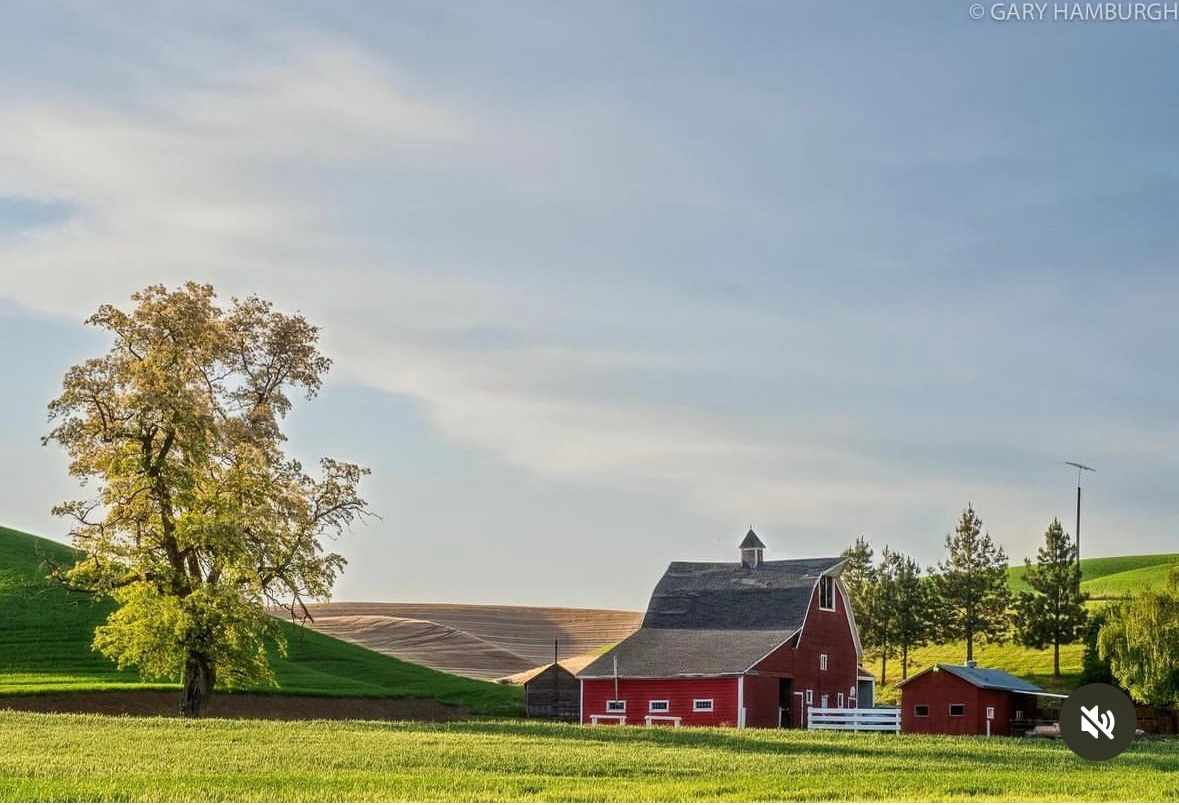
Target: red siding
x: 939, y: 689
x: 679, y: 692
x: 824, y: 632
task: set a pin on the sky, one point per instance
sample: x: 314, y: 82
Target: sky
x: 605, y: 284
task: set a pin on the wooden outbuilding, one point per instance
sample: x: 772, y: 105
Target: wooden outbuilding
x: 552, y: 692
x: 968, y: 700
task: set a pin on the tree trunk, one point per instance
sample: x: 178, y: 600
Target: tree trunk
x: 884, y: 668
x: 198, y: 684
x: 1056, y: 658
x: 905, y: 662
x: 969, y: 646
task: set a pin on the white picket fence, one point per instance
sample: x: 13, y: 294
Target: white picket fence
x: 874, y: 719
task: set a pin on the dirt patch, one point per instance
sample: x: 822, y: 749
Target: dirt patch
x: 245, y: 705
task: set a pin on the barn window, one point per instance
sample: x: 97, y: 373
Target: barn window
x: 921, y: 710
x: 810, y: 697
x: 658, y: 706
x: 990, y: 712
x: 826, y: 593
x: 823, y: 700
x: 822, y: 662
x: 702, y: 705
x: 616, y: 706
x: 957, y: 709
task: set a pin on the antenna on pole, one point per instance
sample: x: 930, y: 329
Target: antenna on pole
x: 1080, y: 468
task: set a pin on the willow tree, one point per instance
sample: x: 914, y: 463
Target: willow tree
x: 198, y: 522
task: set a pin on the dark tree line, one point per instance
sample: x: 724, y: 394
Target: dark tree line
x: 965, y: 597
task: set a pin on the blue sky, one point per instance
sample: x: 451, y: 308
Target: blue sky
x: 606, y: 283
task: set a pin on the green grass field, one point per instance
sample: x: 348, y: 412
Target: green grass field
x: 53, y: 757
x: 45, y: 636
x: 1111, y: 576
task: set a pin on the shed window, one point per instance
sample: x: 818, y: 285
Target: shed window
x: 702, y: 705
x: 1019, y: 715
x: 826, y: 592
x: 810, y: 697
x: 957, y: 709
x: 616, y: 706
x: 921, y: 710
x: 822, y: 662
x: 658, y: 706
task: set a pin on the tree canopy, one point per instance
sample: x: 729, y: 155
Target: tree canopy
x: 970, y: 585
x: 198, y: 521
x: 1140, y: 640
x: 1053, y: 614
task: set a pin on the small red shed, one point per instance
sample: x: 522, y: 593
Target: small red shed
x: 968, y: 700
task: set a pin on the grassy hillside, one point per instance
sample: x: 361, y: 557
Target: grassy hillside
x: 1111, y: 576
x: 45, y: 635
x: 97, y: 758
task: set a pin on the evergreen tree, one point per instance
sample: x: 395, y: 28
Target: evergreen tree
x: 909, y: 598
x: 1053, y: 614
x: 970, y: 585
x: 859, y: 577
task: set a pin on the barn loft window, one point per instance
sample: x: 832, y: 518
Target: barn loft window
x: 658, y: 706
x: 616, y: 706
x: 957, y: 709
x: 702, y: 705
x: 826, y: 593
x: 921, y: 710
x: 822, y: 662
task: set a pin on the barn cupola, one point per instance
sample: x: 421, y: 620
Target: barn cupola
x: 751, y: 550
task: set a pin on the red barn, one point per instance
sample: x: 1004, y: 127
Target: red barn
x: 749, y: 643
x: 968, y: 700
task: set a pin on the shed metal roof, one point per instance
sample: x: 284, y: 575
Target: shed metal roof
x: 990, y: 678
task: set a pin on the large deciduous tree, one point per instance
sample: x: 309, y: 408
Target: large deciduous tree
x: 971, y: 590
x: 1140, y: 640
x: 198, y: 521
x: 1053, y: 613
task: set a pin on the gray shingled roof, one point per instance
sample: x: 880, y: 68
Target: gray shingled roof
x: 991, y: 678
x: 677, y: 652
x: 751, y: 541
x: 728, y: 595
x: 713, y: 618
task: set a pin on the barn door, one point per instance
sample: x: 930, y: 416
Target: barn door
x: 785, y: 694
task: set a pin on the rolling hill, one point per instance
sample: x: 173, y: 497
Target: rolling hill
x: 480, y: 641
x: 45, y: 635
x: 1111, y: 576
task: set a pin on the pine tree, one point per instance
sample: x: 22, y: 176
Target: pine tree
x: 1053, y: 614
x: 859, y: 577
x: 910, y: 600
x: 970, y: 585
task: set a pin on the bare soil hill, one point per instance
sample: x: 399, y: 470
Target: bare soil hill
x: 474, y: 640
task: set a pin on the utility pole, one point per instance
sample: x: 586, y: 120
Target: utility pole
x: 1080, y: 468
